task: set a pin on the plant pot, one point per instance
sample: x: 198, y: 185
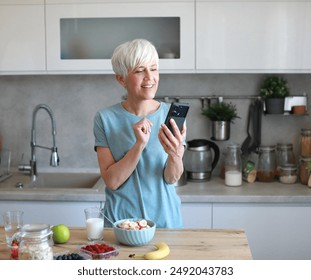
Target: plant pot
x: 220, y: 130
x: 275, y: 105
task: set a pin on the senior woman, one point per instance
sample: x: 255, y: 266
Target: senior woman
x: 139, y: 158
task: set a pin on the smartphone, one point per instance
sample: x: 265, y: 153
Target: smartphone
x: 178, y: 112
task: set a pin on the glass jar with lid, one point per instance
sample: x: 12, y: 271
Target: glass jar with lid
x: 266, y: 164
x: 36, y: 242
x: 284, y: 155
x: 304, y: 169
x: 288, y: 174
x: 233, y: 166
x: 305, y: 142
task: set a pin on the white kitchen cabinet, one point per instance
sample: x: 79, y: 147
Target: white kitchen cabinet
x: 197, y: 215
x: 81, y: 37
x: 53, y: 213
x: 253, y: 36
x: 274, y: 231
x: 22, y: 33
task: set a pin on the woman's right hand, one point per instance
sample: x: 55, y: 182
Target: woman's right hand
x: 142, y: 130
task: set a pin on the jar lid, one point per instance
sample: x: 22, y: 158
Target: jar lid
x: 289, y: 167
x: 305, y: 158
x: 266, y: 148
x: 36, y: 230
x: 306, y: 131
x: 281, y: 146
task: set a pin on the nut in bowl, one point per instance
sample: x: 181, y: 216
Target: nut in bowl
x: 134, y: 232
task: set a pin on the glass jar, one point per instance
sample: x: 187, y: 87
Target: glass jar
x: 288, y: 174
x: 304, y: 169
x: 305, y: 142
x: 233, y: 166
x: 36, y: 242
x: 284, y: 155
x: 266, y: 164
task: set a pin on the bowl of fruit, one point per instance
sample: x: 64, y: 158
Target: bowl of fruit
x: 134, y: 232
x: 100, y: 250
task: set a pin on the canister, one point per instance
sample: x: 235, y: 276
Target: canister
x: 266, y: 164
x: 305, y: 142
x: 288, y: 174
x: 36, y: 242
x: 304, y: 169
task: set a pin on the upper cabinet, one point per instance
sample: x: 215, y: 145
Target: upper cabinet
x: 253, y: 36
x: 81, y: 37
x: 22, y: 33
x: 191, y: 36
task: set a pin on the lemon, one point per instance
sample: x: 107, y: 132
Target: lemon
x: 61, y: 233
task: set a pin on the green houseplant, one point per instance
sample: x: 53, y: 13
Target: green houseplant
x: 273, y: 90
x: 221, y: 114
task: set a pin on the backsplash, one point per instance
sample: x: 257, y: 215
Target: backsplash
x: 76, y: 98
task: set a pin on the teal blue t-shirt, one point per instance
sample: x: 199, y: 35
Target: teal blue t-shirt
x: 145, y: 194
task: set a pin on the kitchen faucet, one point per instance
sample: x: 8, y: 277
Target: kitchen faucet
x: 54, y: 160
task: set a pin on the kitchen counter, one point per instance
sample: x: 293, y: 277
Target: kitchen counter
x: 213, y: 191
x: 188, y: 244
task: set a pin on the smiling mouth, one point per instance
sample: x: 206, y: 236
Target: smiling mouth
x: 147, y: 86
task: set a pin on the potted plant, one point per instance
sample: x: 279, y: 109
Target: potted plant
x: 221, y: 114
x: 274, y: 89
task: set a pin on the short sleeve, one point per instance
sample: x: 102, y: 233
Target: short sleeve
x: 99, y: 132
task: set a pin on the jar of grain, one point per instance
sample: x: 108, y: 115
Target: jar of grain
x: 305, y: 142
x: 288, y: 174
x: 266, y: 164
x: 304, y: 169
x: 36, y: 242
x: 284, y: 155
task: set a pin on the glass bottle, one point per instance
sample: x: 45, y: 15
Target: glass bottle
x: 266, y: 164
x: 36, y: 242
x: 284, y: 155
x: 233, y: 166
x: 305, y: 142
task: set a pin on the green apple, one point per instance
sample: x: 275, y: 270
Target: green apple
x: 61, y: 233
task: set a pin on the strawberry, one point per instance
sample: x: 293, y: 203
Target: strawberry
x: 14, y: 249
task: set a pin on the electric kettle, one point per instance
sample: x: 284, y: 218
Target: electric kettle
x: 199, y: 159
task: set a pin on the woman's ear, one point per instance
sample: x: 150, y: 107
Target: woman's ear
x: 121, y: 80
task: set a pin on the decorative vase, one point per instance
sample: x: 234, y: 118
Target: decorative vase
x: 275, y: 105
x: 220, y: 130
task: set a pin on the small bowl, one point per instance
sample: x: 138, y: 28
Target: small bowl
x: 100, y: 256
x: 134, y: 237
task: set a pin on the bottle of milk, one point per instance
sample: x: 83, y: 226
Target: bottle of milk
x: 233, y: 166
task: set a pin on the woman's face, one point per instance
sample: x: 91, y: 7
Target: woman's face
x: 142, y: 82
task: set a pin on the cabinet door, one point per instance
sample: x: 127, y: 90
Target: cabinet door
x: 103, y: 26
x: 53, y: 213
x: 197, y: 215
x: 22, y: 44
x: 256, y: 36
x: 274, y: 231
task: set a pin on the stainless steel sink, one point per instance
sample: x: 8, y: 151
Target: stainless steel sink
x: 59, y: 180
x: 65, y: 181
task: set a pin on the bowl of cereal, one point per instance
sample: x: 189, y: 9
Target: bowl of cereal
x: 134, y: 232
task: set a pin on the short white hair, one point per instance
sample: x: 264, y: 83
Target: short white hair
x: 132, y: 54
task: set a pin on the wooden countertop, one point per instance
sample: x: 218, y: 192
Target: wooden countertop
x: 188, y: 244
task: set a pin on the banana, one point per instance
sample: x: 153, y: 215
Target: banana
x: 162, y: 251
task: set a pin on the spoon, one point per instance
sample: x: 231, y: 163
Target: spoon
x: 102, y: 211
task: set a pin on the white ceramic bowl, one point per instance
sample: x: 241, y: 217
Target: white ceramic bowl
x: 134, y: 237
